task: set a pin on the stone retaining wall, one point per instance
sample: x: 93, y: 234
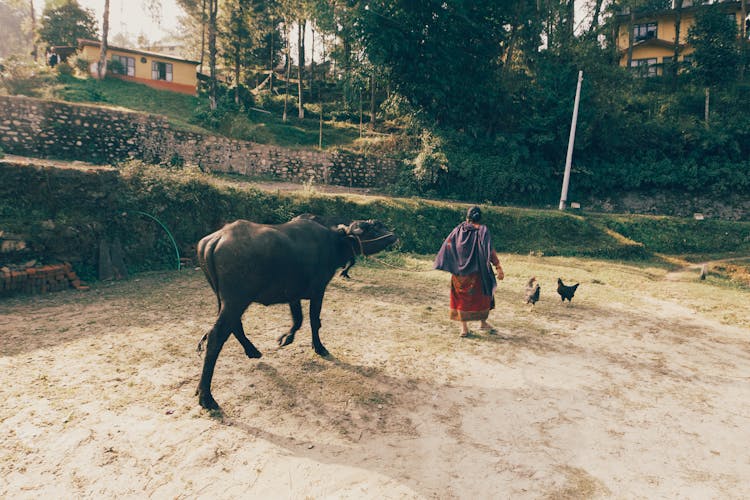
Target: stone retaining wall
x: 52, y: 129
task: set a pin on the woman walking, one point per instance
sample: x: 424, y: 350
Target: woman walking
x: 467, y: 254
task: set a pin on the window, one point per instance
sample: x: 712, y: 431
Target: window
x: 123, y: 65
x: 161, y: 71
x: 644, y: 67
x: 644, y: 31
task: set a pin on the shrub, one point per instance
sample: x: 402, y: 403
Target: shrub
x: 24, y: 77
x: 82, y: 65
x: 64, y: 69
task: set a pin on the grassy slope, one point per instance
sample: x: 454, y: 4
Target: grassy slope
x: 254, y: 125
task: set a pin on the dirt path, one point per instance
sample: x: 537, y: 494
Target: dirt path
x: 638, y: 389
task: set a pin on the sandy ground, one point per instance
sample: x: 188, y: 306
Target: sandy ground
x: 638, y: 389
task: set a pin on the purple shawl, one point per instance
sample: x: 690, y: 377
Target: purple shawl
x: 467, y: 250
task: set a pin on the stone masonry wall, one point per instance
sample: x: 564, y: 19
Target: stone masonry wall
x: 101, y: 135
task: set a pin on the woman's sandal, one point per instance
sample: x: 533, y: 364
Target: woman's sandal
x: 489, y: 329
x: 464, y: 334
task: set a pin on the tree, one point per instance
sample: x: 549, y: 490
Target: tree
x: 676, y: 51
x: 236, y: 41
x: 65, y: 24
x: 431, y: 49
x: 716, y: 56
x: 207, y: 13
x: 714, y: 37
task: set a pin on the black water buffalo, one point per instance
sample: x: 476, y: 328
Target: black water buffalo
x: 246, y: 262
x: 332, y: 221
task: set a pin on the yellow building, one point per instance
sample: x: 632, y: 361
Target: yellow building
x: 654, y: 35
x: 155, y: 70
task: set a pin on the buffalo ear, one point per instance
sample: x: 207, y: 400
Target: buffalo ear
x: 342, y: 229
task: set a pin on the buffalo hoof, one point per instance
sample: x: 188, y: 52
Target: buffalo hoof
x: 286, y: 339
x: 201, y: 343
x: 321, y: 351
x: 345, y: 274
x: 207, y: 401
x: 254, y: 354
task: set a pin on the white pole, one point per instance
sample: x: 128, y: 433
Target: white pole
x: 571, y: 141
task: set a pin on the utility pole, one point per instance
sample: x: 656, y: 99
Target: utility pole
x: 571, y: 141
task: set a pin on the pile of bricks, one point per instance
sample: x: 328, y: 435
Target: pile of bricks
x: 42, y: 279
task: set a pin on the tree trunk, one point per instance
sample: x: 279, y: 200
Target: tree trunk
x: 597, y: 13
x: 311, y: 75
x: 271, y: 65
x: 237, y: 71
x: 101, y: 68
x: 372, y: 101
x: 706, y: 107
x: 213, y: 7
x: 676, y: 53
x: 203, y: 35
x: 571, y: 19
x: 347, y: 49
x: 743, y: 40
x: 300, y: 67
x: 238, y: 44
x: 361, y: 112
x: 288, y: 73
x: 34, y: 51
x: 631, y: 21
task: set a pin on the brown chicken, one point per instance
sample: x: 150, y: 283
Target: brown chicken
x: 532, y: 291
x: 565, y: 291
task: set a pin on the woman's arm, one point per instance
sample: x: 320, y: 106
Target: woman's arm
x: 496, y: 262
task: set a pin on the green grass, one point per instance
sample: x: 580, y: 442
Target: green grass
x: 695, y: 239
x: 113, y: 92
x: 180, y: 109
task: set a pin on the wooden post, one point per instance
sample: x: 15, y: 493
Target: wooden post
x: 571, y: 141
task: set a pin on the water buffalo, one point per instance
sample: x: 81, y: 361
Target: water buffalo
x: 246, y: 262
x: 332, y: 221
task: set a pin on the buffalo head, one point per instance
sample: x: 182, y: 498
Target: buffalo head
x: 370, y: 236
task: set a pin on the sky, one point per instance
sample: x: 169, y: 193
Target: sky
x: 131, y: 19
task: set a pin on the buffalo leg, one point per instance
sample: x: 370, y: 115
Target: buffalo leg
x: 345, y: 272
x: 250, y: 350
x: 239, y: 333
x: 216, y: 339
x: 315, y: 305
x: 296, y: 309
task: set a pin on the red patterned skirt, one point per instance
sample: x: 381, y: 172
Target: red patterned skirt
x: 468, y: 303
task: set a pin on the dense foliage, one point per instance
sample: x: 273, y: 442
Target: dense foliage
x: 64, y: 24
x: 145, y: 206
x: 476, y: 96
x: 500, y: 115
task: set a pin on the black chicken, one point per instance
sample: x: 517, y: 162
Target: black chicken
x: 532, y: 291
x: 565, y: 291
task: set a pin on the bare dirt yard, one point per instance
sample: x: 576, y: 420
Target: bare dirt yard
x: 638, y: 389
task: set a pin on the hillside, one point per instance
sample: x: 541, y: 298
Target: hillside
x: 262, y: 122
